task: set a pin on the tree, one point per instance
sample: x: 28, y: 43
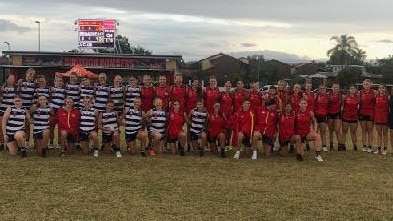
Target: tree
x: 386, y: 69
x: 348, y: 76
x: 140, y: 51
x: 345, y: 51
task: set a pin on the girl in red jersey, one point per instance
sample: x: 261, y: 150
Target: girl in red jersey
x: 381, y: 118
x: 243, y: 128
x: 366, y: 115
x: 227, y: 109
x: 162, y: 91
x: 212, y: 94
x: 239, y: 95
x: 287, y: 132
x: 320, y: 110
x: 350, y: 116
x: 255, y: 96
x: 147, y: 93
x: 304, y: 119
x: 216, y: 126
x: 295, y: 97
x: 175, y: 129
x: 265, y: 128
x: 334, y: 117
x: 178, y: 91
x: 282, y: 93
x: 310, y: 97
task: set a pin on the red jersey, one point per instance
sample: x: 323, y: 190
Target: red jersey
x: 68, y: 120
x: 266, y: 122
x: 163, y: 93
x: 303, y: 123
x: 255, y: 98
x: 216, y: 124
x: 244, y: 122
x: 178, y: 92
x: 284, y: 97
x: 321, y: 104
x: 381, y: 109
x: 367, y: 101
x: 286, y: 126
x: 294, y: 99
x: 334, y: 105
x: 310, y: 97
x: 350, y: 108
x: 147, y: 97
x: 226, y: 103
x: 212, y: 95
x: 238, y: 98
x: 175, y: 124
x: 192, y: 97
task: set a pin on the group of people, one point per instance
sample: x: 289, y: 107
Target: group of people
x: 184, y: 117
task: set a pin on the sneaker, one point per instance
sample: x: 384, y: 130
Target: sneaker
x: 319, y: 158
x: 152, y: 152
x: 143, y: 154
x: 299, y: 157
x: 118, y: 154
x: 364, y: 149
x: 369, y: 150
x: 62, y: 154
x: 237, y: 155
x: 23, y: 152
x: 95, y: 153
x: 384, y: 152
x: 325, y: 149
x: 376, y: 151
x: 51, y: 146
x: 254, y: 156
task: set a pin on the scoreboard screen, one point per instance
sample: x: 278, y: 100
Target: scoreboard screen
x: 96, y: 33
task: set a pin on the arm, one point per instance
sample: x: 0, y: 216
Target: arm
x: 4, y: 122
x: 314, y: 122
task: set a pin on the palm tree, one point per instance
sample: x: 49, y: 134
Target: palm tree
x: 344, y: 51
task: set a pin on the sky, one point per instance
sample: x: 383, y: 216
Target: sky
x: 198, y: 29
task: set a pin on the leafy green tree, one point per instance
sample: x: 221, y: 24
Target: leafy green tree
x: 349, y: 76
x: 345, y: 50
x: 140, y: 51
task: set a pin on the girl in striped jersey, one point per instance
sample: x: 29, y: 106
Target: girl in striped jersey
x: 158, y: 120
x: 108, y: 123
x: 41, y: 89
x: 42, y: 114
x: 8, y: 92
x: 131, y: 91
x: 72, y: 89
x: 197, y: 118
x: 116, y: 93
x: 87, y: 90
x: 13, y: 126
x: 57, y: 101
x: 101, y: 93
x: 135, y: 127
x: 26, y: 89
x: 87, y: 126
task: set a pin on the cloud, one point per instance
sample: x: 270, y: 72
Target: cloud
x: 385, y: 41
x: 6, y: 25
x: 248, y: 45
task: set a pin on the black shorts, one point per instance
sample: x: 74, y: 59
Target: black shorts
x: 131, y: 137
x: 303, y: 139
x: 72, y: 138
x: 107, y: 138
x: 38, y: 136
x: 84, y: 135
x: 212, y: 139
x: 173, y: 140
x: 194, y: 136
x: 321, y: 119
x: 11, y: 138
x: 349, y: 121
x: 334, y: 116
x: 267, y: 140
x: 363, y: 117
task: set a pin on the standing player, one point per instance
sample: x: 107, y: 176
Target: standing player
x: 132, y: 91
x: 26, y: 91
x: 350, y: 116
x: 87, y: 90
x: 193, y: 94
x: 366, y: 115
x: 226, y: 108
x: 116, y: 94
x: 41, y: 89
x: 211, y: 94
x: 178, y: 91
x: 239, y: 95
x: 72, y: 89
x: 101, y: 93
x: 57, y: 101
x: 334, y: 117
x: 321, y: 103
x: 381, y: 118
x: 162, y: 91
x: 147, y: 93
x: 255, y: 97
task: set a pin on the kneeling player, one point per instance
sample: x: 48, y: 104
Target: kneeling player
x: 108, y: 123
x: 87, y: 127
x: 175, y: 129
x: 287, y: 133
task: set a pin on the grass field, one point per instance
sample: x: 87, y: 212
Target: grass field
x: 346, y: 186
